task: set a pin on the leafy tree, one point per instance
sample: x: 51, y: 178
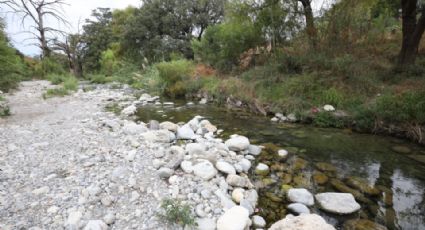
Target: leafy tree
x: 162, y: 27
x: 97, y: 37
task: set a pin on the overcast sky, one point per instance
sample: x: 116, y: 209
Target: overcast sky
x: 75, y: 11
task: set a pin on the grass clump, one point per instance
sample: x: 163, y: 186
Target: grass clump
x: 68, y: 85
x: 175, y: 212
x: 173, y: 74
x: 98, y: 78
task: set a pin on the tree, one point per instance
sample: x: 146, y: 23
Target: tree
x: 72, y: 48
x: 413, y: 26
x: 37, y: 11
x: 97, y: 37
x: 309, y: 20
x: 162, y: 27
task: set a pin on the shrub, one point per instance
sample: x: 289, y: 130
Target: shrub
x: 222, y: 45
x: 55, y: 92
x: 174, y: 211
x: 57, y: 79
x: 98, y: 78
x: 327, y: 119
x: 49, y: 66
x: 70, y: 84
x: 173, y: 75
x: 109, y: 62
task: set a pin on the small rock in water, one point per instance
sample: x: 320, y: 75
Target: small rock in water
x: 282, y: 153
x: 338, y: 203
x: 262, y: 169
x: 298, y: 208
x: 300, y: 195
x: 258, y: 221
x: 362, y: 224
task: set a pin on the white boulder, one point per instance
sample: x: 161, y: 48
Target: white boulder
x: 302, y: 222
x: 237, y: 143
x: 301, y: 195
x: 236, y: 218
x: 338, y: 203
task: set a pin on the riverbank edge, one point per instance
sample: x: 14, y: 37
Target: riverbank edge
x: 413, y: 132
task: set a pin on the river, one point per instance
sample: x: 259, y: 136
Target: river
x: 323, y: 160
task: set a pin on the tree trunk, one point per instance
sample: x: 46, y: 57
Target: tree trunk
x: 43, y: 40
x: 309, y: 19
x: 412, y: 32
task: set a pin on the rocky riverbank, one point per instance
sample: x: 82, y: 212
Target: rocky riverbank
x: 69, y: 164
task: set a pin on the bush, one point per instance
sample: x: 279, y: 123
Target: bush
x: 57, y: 79
x: 173, y: 74
x: 174, y: 211
x: 49, y: 66
x: 12, y: 67
x: 222, y: 45
x: 98, y: 78
x: 70, y: 84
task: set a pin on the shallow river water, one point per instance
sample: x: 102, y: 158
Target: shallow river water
x: 390, y: 185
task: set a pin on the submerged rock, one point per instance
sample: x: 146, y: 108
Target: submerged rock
x: 325, y: 167
x: 302, y: 222
x: 363, y: 186
x: 401, y: 149
x: 262, y: 169
x: 338, y: 203
x: 362, y: 224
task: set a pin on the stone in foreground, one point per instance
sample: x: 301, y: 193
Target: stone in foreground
x: 298, y: 208
x: 237, y: 143
x: 302, y: 222
x: 338, y: 203
x: 236, y: 218
x: 362, y: 224
x: 301, y: 195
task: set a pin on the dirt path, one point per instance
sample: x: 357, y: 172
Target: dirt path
x: 61, y: 167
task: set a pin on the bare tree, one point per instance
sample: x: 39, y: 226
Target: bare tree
x: 37, y: 11
x: 309, y: 19
x: 72, y: 48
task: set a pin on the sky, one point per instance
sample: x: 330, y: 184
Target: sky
x: 75, y: 11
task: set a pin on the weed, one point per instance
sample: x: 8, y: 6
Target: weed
x: 174, y: 211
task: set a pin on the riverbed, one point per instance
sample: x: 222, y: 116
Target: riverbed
x: 322, y: 160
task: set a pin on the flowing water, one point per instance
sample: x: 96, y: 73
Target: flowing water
x: 323, y: 160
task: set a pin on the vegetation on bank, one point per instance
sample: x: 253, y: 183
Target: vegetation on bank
x: 273, y: 56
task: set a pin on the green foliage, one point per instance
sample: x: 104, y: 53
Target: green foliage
x: 406, y: 107
x: 12, y: 67
x: 109, y: 62
x: 162, y: 27
x: 173, y: 75
x: 5, y: 111
x: 98, y: 78
x: 68, y: 83
x: 174, y: 211
x: 57, y: 79
x: 327, y: 119
x: 223, y: 44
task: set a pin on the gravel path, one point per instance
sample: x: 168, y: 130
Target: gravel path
x: 61, y: 166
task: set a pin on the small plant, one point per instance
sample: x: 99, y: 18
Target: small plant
x: 4, y: 111
x: 174, y: 211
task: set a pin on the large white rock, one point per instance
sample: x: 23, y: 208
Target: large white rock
x: 258, y: 221
x: 300, y: 195
x: 185, y: 133
x: 236, y: 218
x: 187, y: 166
x: 238, y: 181
x: 196, y: 149
x: 132, y: 128
x: 130, y: 110
x: 302, y: 222
x: 225, y: 167
x: 204, y: 170
x: 329, y: 108
x: 238, y: 195
x: 169, y: 126
x: 246, y: 164
x: 237, y: 143
x: 339, y: 203
x: 162, y: 136
x: 96, y: 225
